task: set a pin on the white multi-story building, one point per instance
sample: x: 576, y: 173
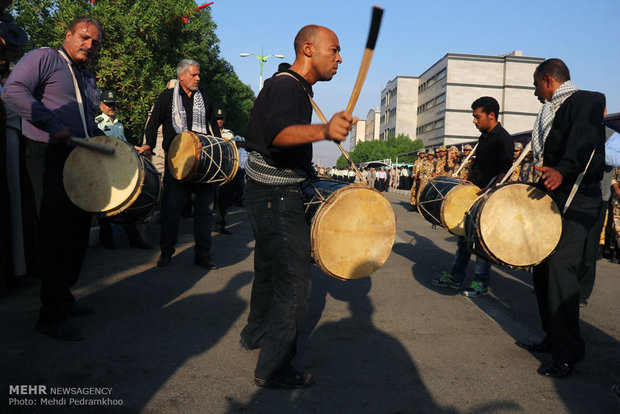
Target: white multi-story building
x: 357, y: 134
x: 436, y: 106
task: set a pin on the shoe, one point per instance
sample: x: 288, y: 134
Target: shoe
x: 542, y: 346
x: 583, y: 303
x: 108, y: 244
x: 205, y: 262
x: 298, y: 380
x: 140, y: 244
x: 164, y: 260
x: 79, y: 311
x: 556, y: 370
x: 476, y: 289
x: 445, y: 280
x: 59, y: 329
x: 223, y: 230
x: 247, y: 346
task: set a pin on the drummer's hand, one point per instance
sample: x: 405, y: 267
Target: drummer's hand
x: 144, y: 150
x: 339, y: 126
x: 550, y: 177
x: 62, y: 137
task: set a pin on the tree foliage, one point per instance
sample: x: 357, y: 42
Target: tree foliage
x: 142, y: 43
x: 380, y: 150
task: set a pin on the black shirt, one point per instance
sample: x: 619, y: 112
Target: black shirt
x: 493, y: 156
x: 281, y: 103
x: 162, y: 115
x: 576, y: 131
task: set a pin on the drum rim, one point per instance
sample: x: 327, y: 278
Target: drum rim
x: 134, y: 194
x: 107, y: 139
x: 197, y: 151
x: 484, y: 198
x: 443, y: 205
x: 320, y: 212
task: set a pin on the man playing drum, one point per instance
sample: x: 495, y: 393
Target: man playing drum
x: 280, y: 142
x: 568, y: 138
x: 183, y: 108
x: 493, y: 160
x: 56, y: 96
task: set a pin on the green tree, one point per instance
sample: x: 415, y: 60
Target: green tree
x: 142, y: 44
x: 380, y: 150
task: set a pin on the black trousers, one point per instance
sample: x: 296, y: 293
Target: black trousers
x: 173, y: 202
x: 64, y: 232
x: 587, y: 274
x: 282, y: 279
x: 556, y: 280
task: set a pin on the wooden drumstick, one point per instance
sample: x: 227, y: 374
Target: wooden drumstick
x: 375, y: 23
x: 93, y: 146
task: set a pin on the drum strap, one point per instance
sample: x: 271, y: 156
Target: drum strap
x: 78, y: 94
x: 573, y: 190
x: 517, y: 162
x: 319, y: 113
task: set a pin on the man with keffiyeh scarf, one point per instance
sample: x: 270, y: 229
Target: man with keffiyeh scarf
x: 184, y: 108
x: 568, y: 138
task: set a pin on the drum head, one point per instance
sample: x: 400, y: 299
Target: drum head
x: 456, y: 204
x: 520, y: 224
x: 353, y: 232
x: 99, y: 183
x: 183, y: 155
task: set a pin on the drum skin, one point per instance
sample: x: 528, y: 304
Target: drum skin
x: 110, y: 185
x: 101, y: 183
x: 202, y: 158
x: 352, y: 231
x: 516, y: 225
x: 445, y: 200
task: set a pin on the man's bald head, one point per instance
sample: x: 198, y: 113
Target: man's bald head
x: 309, y: 34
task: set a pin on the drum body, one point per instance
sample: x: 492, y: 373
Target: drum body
x: 202, y: 158
x: 445, y: 200
x: 515, y: 225
x: 124, y: 186
x: 352, y: 228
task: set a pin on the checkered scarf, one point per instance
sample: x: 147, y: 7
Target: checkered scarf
x: 179, y: 118
x: 545, y: 117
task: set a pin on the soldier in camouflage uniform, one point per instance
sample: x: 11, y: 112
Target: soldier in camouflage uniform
x: 427, y: 171
x: 464, y: 173
x: 453, y: 160
x: 516, y: 173
x: 415, y: 175
x: 441, y: 162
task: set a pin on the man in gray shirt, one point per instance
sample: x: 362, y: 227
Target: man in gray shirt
x: 56, y: 97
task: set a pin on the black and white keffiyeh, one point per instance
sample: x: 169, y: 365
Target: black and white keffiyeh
x: 545, y: 118
x: 179, y: 118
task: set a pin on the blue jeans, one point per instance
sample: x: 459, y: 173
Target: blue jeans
x: 282, y: 279
x: 482, y: 269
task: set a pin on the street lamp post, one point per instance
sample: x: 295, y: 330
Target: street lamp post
x: 261, y: 60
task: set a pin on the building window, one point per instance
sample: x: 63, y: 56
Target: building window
x: 432, y: 103
x: 430, y: 127
x: 434, y: 79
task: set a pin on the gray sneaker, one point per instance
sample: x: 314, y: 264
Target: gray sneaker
x: 475, y: 290
x: 445, y: 280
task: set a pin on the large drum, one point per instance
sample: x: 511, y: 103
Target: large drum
x: 515, y: 225
x: 124, y: 186
x: 444, y: 201
x: 202, y: 158
x: 352, y: 228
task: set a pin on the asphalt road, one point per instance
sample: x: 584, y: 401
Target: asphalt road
x: 166, y: 340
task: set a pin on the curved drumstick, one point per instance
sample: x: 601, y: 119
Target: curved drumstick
x: 92, y: 146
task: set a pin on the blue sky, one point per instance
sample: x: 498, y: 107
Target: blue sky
x: 415, y: 34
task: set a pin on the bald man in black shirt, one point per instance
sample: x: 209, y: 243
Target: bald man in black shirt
x: 280, y: 142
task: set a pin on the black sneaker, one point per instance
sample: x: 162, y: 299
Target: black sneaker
x: 476, y: 289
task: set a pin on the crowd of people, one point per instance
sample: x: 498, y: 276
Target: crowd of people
x: 58, y: 101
